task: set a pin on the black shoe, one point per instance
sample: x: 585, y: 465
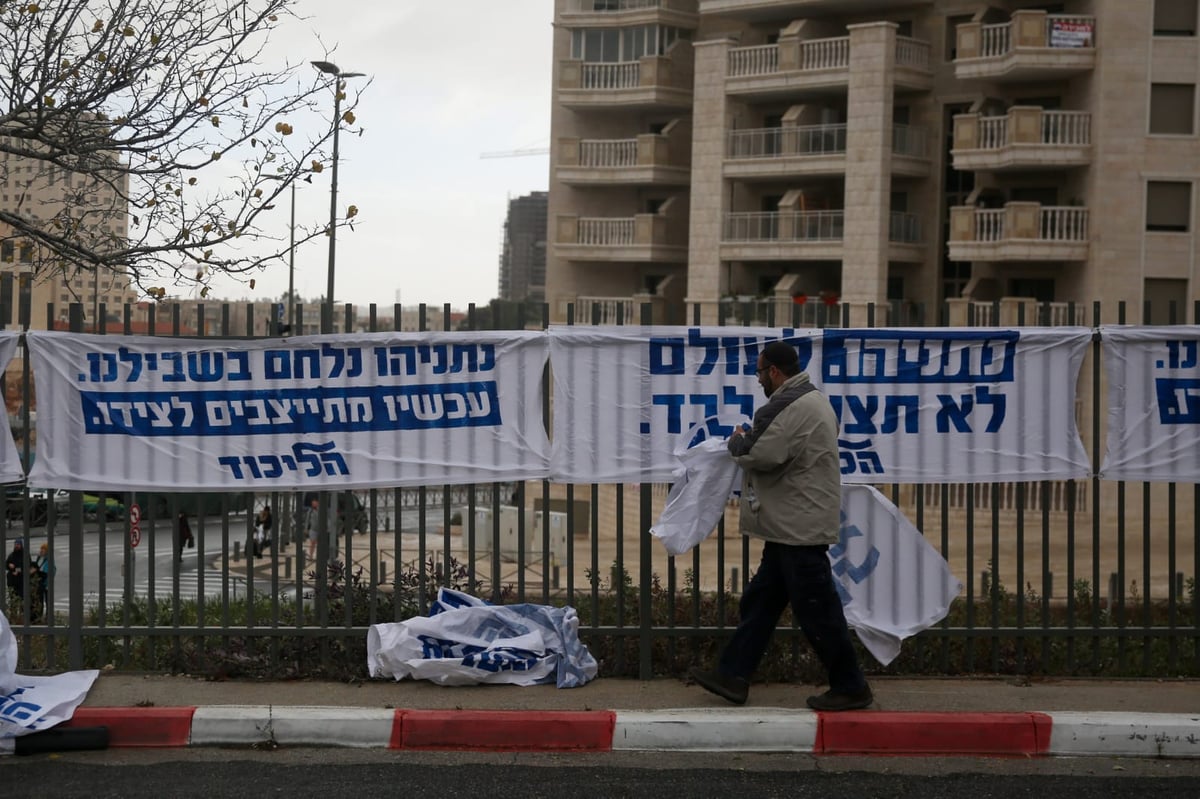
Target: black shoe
x: 833, y: 701
x: 735, y: 689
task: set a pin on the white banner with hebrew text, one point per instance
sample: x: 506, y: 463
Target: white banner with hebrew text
x: 342, y: 411
x: 1153, y: 403
x: 915, y: 405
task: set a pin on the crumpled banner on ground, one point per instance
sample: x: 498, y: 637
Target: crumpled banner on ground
x: 465, y: 641
x: 33, y: 704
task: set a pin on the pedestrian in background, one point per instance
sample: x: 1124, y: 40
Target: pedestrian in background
x: 14, y: 572
x: 43, y: 568
x: 310, y: 526
x: 262, y: 531
x: 791, y: 498
x: 183, y: 535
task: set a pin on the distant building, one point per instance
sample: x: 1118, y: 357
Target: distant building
x: 45, y: 192
x: 523, y: 258
x: 892, y: 152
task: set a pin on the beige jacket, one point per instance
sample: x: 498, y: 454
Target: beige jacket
x: 792, y: 484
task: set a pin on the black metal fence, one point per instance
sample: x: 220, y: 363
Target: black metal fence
x: 1061, y: 577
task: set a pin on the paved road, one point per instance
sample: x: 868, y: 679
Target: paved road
x: 306, y: 772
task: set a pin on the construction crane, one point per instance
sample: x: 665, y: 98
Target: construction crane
x: 521, y: 153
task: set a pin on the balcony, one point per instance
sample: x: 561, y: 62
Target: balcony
x: 644, y: 238
x: 1019, y: 231
x: 795, y: 65
x: 813, y: 150
x: 1032, y: 46
x: 599, y: 13
x: 1027, y: 138
x: 646, y: 160
x: 761, y: 10
x: 652, y: 83
x: 783, y: 235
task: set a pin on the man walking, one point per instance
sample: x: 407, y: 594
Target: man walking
x: 791, y: 498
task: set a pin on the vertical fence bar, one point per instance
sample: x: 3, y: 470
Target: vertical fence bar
x: 1172, y: 596
x: 447, y: 545
x: 1147, y: 605
x: 422, y: 497
x: 1020, y: 558
x: 75, y: 546
x: 548, y: 562
x: 646, y: 520
x: 1095, y: 484
x: 1119, y: 588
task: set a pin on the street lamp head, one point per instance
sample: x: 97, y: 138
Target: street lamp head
x: 330, y: 68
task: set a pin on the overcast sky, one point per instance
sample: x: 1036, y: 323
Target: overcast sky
x: 451, y: 79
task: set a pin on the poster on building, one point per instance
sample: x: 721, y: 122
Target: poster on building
x: 1153, y: 378
x: 915, y: 405
x: 1070, y: 32
x: 344, y: 411
x: 11, y: 469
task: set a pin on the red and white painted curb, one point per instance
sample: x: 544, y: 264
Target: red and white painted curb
x: 1173, y: 735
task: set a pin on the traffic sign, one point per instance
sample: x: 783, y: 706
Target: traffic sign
x: 135, y: 525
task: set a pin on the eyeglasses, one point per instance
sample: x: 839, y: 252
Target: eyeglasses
x: 762, y: 371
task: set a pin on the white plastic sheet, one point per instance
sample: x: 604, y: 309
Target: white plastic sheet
x: 465, y: 641
x: 33, y: 704
x: 706, y: 479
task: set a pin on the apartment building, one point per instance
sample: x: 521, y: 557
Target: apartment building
x: 916, y: 155
x: 46, y: 192
x: 523, y: 257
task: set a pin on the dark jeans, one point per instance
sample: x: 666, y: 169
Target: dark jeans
x: 801, y: 576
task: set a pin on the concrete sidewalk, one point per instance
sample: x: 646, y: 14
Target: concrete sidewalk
x: 980, y: 716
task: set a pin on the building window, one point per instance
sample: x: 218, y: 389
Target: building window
x: 1174, y: 17
x: 1164, y: 298
x: 1172, y: 108
x: 952, y: 24
x: 1168, y: 206
x: 624, y: 44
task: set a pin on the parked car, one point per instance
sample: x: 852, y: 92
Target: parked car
x: 16, y: 502
x: 114, y: 507
x: 165, y: 504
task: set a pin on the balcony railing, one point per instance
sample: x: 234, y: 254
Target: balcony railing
x: 1069, y: 128
x: 615, y: 76
x: 997, y: 40
x: 819, y: 54
x: 784, y: 226
x: 1061, y: 31
x: 909, y: 140
x: 787, y: 141
x: 600, y: 6
x: 800, y: 140
x: 749, y: 61
x: 912, y: 53
x: 606, y: 232
x: 1059, y: 223
x: 904, y: 228
x: 606, y: 310
x: 993, y: 133
x: 610, y: 153
x: 825, y: 53
x: 1055, y: 223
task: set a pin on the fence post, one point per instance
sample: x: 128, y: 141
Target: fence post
x: 646, y: 521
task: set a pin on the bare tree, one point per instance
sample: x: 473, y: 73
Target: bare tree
x: 148, y: 137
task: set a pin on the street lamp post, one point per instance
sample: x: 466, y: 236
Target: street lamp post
x: 291, y: 293
x: 332, y: 69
